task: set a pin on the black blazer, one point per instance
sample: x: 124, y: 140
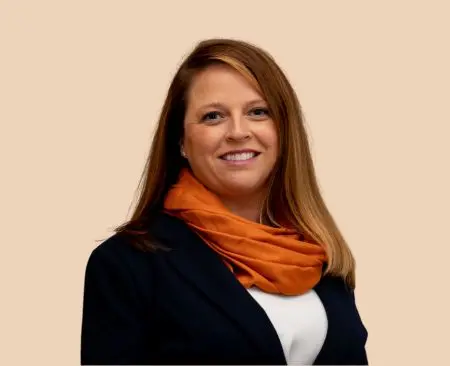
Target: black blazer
x: 185, y: 307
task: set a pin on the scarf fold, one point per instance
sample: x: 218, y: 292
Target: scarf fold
x: 272, y: 259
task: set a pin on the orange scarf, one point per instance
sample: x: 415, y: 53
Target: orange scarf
x: 273, y: 259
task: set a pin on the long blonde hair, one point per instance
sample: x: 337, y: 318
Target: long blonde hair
x: 294, y: 196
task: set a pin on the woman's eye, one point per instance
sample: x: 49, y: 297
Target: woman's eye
x: 260, y: 112
x: 211, y: 116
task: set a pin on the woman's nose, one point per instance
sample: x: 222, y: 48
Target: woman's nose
x: 238, y: 129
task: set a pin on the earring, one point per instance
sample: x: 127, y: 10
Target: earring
x: 183, y: 154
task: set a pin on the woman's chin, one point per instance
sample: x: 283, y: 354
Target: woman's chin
x: 241, y: 189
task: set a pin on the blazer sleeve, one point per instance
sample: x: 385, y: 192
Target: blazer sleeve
x: 114, y: 330
x: 359, y: 354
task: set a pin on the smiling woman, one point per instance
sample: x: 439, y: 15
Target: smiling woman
x: 231, y: 255
x: 230, y: 139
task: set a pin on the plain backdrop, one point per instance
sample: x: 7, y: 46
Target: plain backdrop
x: 81, y: 87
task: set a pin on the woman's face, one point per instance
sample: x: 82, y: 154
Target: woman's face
x: 230, y: 139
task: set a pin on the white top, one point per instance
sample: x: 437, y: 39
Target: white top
x: 300, y: 321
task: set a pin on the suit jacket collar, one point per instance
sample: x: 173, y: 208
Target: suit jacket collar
x: 205, y: 270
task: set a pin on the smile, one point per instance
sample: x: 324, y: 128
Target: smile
x: 239, y: 156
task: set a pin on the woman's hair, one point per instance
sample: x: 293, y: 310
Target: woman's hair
x: 294, y: 197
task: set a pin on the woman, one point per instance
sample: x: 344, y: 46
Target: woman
x: 231, y: 256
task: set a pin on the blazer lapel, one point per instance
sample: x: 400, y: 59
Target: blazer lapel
x: 204, y: 269
x: 346, y: 336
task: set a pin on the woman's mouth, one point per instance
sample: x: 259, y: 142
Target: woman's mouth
x: 240, y: 156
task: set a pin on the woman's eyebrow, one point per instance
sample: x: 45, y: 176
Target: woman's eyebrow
x: 223, y: 106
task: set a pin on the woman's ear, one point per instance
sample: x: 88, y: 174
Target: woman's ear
x: 182, y: 152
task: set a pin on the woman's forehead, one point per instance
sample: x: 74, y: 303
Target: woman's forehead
x: 221, y: 85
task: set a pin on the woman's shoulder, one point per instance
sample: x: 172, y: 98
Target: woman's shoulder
x: 116, y: 247
x: 118, y: 271
x: 122, y: 248
x: 117, y: 258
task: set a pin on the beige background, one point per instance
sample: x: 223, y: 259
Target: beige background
x: 81, y: 85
